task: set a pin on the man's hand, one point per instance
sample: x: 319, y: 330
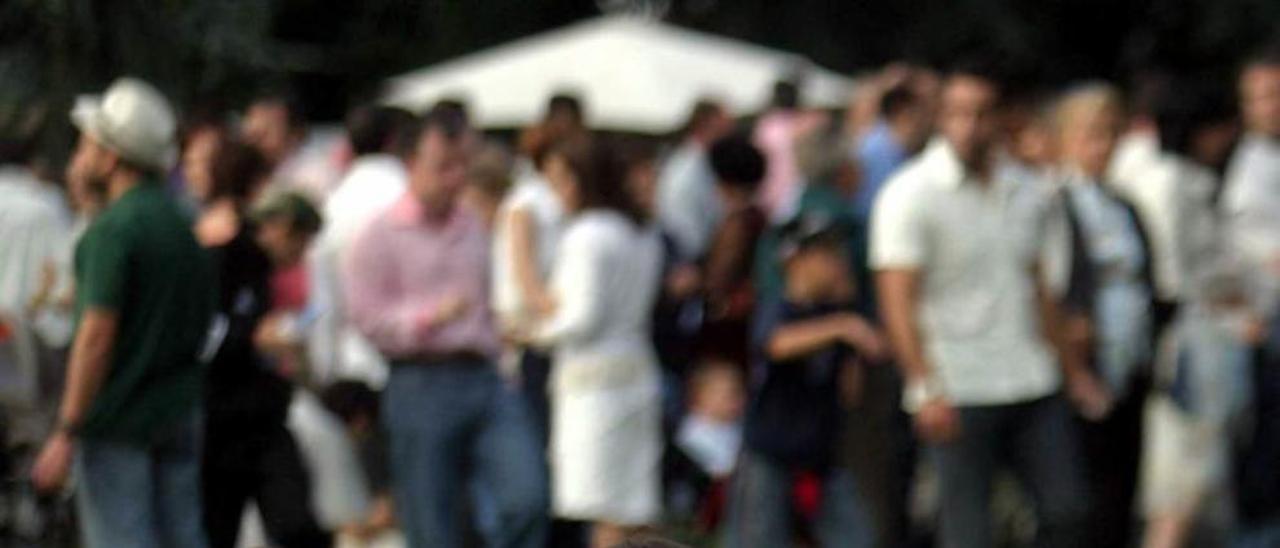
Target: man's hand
x: 1090, y: 396
x: 543, y: 304
x: 683, y: 281
x: 1077, y: 330
x: 1253, y: 330
x: 44, y: 292
x: 267, y: 337
x: 450, y: 309
x: 937, y: 422
x: 53, y: 464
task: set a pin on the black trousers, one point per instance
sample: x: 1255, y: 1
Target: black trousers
x: 265, y: 467
x: 535, y: 374
x: 1112, y: 450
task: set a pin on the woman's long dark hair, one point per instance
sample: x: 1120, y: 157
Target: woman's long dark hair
x: 601, y: 175
x: 237, y: 171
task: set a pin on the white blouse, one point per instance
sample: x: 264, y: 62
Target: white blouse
x: 533, y: 195
x: 604, y: 282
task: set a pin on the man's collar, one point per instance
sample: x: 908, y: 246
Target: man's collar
x: 940, y: 160
x: 945, y: 167
x: 408, y: 211
x: 378, y: 158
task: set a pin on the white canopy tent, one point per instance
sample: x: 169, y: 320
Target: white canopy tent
x: 633, y: 75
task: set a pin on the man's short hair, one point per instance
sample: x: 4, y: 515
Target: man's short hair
x: 374, y: 128
x: 565, y: 103
x: 786, y: 94
x: 448, y: 124
x: 455, y: 108
x: 1266, y: 56
x: 206, y: 114
x: 980, y: 68
x: 737, y: 162
x: 896, y: 100
x: 701, y: 113
x: 1186, y: 108
x: 295, y: 115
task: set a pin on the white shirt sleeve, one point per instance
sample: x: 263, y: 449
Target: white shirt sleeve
x: 1054, y: 242
x: 576, y: 284
x: 898, y: 235
x: 685, y: 206
x: 1249, y: 204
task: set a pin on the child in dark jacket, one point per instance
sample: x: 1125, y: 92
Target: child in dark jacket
x: 805, y: 343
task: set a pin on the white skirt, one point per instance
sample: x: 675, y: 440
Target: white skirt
x: 606, y: 441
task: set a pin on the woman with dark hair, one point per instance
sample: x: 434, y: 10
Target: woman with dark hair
x: 248, y: 452
x: 606, y: 432
x: 1200, y: 373
x: 739, y: 167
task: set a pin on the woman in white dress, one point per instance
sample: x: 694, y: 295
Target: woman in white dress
x: 606, y: 402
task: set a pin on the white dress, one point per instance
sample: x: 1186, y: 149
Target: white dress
x: 606, y: 440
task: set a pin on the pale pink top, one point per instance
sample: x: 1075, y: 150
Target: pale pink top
x: 403, y: 267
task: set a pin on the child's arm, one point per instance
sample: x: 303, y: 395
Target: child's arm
x: 805, y: 337
x: 865, y: 338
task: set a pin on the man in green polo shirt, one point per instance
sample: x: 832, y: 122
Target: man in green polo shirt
x: 130, y: 415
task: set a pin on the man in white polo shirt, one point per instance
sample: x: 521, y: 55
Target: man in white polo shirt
x: 955, y: 243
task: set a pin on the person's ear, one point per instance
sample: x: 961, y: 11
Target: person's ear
x: 109, y: 162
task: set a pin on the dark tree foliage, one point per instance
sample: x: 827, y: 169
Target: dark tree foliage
x: 337, y: 52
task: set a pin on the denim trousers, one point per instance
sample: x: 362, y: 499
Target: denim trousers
x: 454, y: 426
x: 1039, y: 443
x: 760, y: 508
x: 1264, y: 535
x: 141, y: 497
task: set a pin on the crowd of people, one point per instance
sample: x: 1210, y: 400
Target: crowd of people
x: 854, y: 328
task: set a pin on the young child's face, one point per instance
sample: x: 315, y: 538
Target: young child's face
x: 823, y: 267
x: 283, y: 245
x: 720, y: 396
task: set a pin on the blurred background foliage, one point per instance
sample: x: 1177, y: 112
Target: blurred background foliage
x: 336, y: 52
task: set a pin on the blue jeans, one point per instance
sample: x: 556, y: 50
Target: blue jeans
x: 141, y: 497
x: 1039, y: 442
x: 453, y: 426
x: 760, y: 503
x: 1266, y: 535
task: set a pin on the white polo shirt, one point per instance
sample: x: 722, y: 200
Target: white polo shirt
x: 1251, y: 207
x: 974, y: 247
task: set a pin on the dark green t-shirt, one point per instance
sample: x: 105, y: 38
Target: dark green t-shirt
x: 140, y: 259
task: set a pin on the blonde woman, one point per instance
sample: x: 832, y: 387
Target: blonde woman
x: 1104, y: 284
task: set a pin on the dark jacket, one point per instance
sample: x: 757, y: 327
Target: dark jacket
x: 1082, y: 283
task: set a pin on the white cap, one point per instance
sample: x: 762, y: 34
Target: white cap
x: 132, y: 119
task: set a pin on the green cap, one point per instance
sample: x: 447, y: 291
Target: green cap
x: 292, y: 207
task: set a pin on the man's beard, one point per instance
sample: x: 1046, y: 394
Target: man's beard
x: 96, y: 184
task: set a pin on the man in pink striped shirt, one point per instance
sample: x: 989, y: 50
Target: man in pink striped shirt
x: 417, y: 288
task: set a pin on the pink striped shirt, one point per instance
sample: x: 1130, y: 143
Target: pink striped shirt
x: 402, y: 268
